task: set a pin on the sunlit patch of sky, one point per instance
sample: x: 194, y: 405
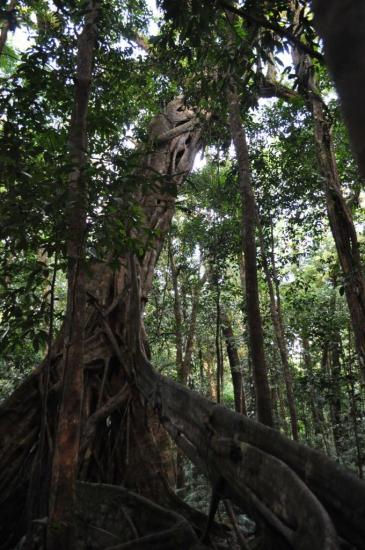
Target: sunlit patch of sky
x: 20, y: 39
x: 153, y: 27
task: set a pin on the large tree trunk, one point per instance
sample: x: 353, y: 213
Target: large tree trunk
x: 292, y: 487
x: 249, y: 217
x: 116, y: 445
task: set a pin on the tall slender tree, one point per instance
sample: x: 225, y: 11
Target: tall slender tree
x: 278, y: 324
x: 61, y: 529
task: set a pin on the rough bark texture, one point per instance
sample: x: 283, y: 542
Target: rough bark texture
x: 341, y: 25
x: 249, y: 216
x: 61, y: 532
x: 118, y: 436
x: 263, y: 470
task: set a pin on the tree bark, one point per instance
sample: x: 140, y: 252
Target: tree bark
x: 61, y: 527
x: 335, y: 394
x: 334, y: 374
x: 122, y: 441
x: 249, y: 217
x: 210, y: 444
x: 234, y: 363
x: 218, y: 347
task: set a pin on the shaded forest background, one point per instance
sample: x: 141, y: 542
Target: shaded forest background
x: 245, y: 270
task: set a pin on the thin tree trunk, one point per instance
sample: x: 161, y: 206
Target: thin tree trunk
x: 234, y: 363
x: 334, y: 362
x: 183, y: 361
x: 184, y: 354
x: 201, y: 368
x: 249, y: 217
x: 278, y: 324
x: 180, y: 473
x: 335, y: 394
x: 211, y: 379
x: 218, y: 350
x: 218, y: 361
x: 325, y: 411
x: 61, y: 533
x: 189, y: 345
x: 354, y: 412
x: 5, y: 25
x: 317, y: 414
x: 177, y: 313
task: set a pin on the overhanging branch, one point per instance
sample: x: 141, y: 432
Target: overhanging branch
x: 266, y: 24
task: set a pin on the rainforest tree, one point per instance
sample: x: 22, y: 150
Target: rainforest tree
x: 227, y: 279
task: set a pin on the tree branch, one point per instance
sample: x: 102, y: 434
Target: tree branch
x: 269, y: 88
x: 266, y: 24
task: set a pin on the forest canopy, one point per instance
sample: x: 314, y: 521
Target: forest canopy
x: 182, y: 297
